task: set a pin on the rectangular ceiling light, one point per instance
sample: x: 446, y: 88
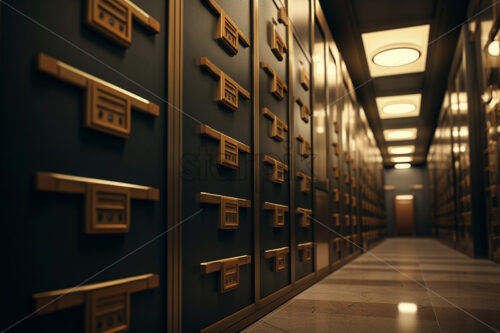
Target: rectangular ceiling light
x: 401, y: 106
x: 402, y: 159
x: 400, y: 134
x: 401, y: 150
x: 396, y: 51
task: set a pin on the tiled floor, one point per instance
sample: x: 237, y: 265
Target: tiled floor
x: 450, y: 291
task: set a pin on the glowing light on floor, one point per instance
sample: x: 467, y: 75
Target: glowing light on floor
x: 409, y: 308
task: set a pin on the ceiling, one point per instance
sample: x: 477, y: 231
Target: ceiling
x: 353, y: 24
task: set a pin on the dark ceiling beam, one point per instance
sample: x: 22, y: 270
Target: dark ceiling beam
x: 399, y: 84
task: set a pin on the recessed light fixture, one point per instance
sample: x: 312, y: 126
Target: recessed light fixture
x: 396, y: 51
x: 396, y: 56
x: 404, y: 197
x: 400, y: 150
x: 402, y: 159
x: 400, y: 134
x: 494, y: 48
x: 399, y: 108
x: 402, y: 166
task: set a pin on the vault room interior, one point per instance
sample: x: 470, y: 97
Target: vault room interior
x: 250, y: 165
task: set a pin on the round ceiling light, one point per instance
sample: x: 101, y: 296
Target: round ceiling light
x: 402, y: 166
x: 396, y: 56
x: 399, y: 108
x: 494, y: 48
x: 403, y: 159
x: 400, y: 135
x: 401, y: 150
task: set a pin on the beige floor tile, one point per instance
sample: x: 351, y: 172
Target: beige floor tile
x: 452, y: 292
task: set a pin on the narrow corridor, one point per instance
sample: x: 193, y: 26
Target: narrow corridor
x: 381, y: 290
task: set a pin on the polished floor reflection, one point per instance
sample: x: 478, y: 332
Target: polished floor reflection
x: 402, y: 285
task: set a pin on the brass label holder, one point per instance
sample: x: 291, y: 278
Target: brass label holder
x: 492, y: 190
x: 348, y: 242
x: 229, y: 208
x: 305, y: 221
x: 107, y: 304
x: 336, y: 171
x: 283, y: 16
x: 347, y: 220
x: 279, y: 169
x: 347, y: 201
x: 113, y: 18
x: 278, y: 46
x: 229, y: 270
x: 336, y: 148
x: 107, y: 203
x: 279, y: 257
x: 279, y: 127
x: 305, y: 147
x: 306, y: 250
x: 305, y: 183
x: 304, y: 78
x: 277, y: 87
x: 336, y: 217
x: 227, y: 34
x: 305, y: 112
x: 336, y: 195
x: 107, y: 107
x: 227, y: 89
x: 278, y: 218
x: 355, y: 239
x: 336, y: 244
x: 228, y: 147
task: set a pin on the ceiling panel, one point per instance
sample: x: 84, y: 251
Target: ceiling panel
x: 373, y: 14
x: 399, y: 106
x: 392, y: 85
x: 396, y: 43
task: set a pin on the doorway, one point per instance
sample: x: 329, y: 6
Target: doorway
x: 404, y: 215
